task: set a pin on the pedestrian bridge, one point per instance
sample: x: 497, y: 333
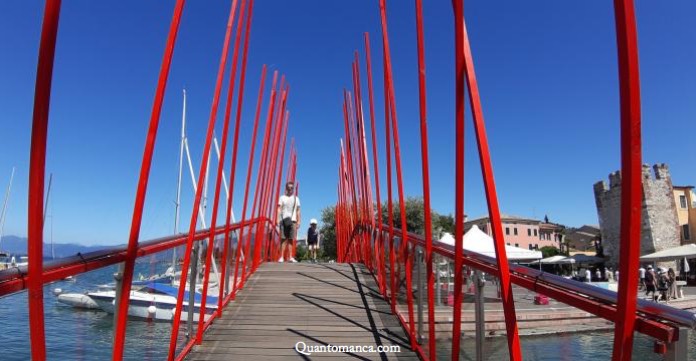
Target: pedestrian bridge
x: 386, y: 286
x: 287, y: 308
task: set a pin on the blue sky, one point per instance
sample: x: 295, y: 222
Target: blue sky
x: 547, y: 73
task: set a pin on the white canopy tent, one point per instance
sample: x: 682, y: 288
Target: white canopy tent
x: 687, y: 251
x: 477, y: 241
x: 558, y: 259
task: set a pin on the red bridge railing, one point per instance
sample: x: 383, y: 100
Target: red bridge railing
x: 262, y: 223
x: 389, y: 250
x: 386, y: 248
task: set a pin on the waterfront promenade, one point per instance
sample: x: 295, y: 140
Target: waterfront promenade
x: 534, y: 319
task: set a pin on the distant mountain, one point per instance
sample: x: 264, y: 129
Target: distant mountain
x: 18, y: 245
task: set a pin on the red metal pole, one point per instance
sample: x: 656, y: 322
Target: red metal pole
x: 271, y: 163
x: 235, y: 147
x: 349, y: 161
x: 37, y: 175
x: 459, y: 178
x: 120, y: 329
x: 397, y: 160
x: 632, y: 186
x: 426, y: 180
x: 276, y: 193
x: 390, y: 205
x: 376, y: 160
x: 199, y: 188
x: 272, y: 167
x: 251, y: 161
x: 369, y: 209
x: 218, y: 179
x: 259, y: 176
x: 356, y: 165
x: 492, y: 199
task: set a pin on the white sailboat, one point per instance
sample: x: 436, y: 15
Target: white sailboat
x: 6, y: 260
x: 154, y: 298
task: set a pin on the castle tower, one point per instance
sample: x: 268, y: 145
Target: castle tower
x: 660, y: 228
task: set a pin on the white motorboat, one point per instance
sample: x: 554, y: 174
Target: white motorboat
x: 78, y: 300
x: 155, y: 301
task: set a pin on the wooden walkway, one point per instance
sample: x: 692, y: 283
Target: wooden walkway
x: 284, y: 304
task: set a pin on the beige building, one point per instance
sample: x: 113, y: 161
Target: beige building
x: 685, y: 200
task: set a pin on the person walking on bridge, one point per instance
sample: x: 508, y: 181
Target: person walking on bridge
x: 313, y: 239
x: 289, y: 217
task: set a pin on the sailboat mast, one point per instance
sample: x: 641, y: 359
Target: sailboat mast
x: 48, y: 195
x: 4, y: 206
x: 178, y: 180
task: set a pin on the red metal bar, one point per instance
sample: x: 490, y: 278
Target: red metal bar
x: 631, y: 181
x: 259, y: 178
x: 492, y: 200
x: 348, y: 155
x: 272, y: 163
x: 459, y: 178
x: 120, y: 329
x: 218, y: 178
x: 376, y: 161
x: 199, y: 188
x: 550, y: 285
x: 358, y: 170
x: 235, y: 147
x: 37, y: 175
x: 368, y: 212
x: 390, y: 206
x: 240, y: 237
x: 397, y: 161
x: 426, y: 180
x: 269, y: 181
x: 261, y: 175
x: 276, y: 193
x: 16, y: 279
x: 348, y: 168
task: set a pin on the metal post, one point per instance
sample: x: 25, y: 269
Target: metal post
x: 419, y: 279
x: 479, y: 282
x: 192, y: 288
x: 679, y: 350
x: 631, y: 183
x: 438, y: 284
x: 37, y: 173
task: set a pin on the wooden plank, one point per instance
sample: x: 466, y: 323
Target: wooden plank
x: 316, y: 304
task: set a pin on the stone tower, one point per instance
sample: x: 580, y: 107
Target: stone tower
x: 660, y: 228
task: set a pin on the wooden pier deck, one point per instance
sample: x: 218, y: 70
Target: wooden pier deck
x: 316, y: 304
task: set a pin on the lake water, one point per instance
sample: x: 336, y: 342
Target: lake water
x: 73, y: 334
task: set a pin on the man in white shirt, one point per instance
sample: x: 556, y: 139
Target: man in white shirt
x: 641, y: 274
x: 288, y: 218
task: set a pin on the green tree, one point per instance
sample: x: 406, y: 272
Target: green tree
x: 328, y: 232
x: 415, y: 219
x: 549, y: 251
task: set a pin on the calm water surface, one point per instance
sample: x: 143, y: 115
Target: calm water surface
x: 73, y: 334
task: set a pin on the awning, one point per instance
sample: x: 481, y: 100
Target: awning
x: 477, y: 241
x: 558, y: 259
x: 687, y: 251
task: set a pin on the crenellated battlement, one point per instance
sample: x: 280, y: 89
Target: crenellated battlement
x: 659, y: 226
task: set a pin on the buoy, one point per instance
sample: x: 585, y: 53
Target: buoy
x: 152, y: 309
x: 57, y: 291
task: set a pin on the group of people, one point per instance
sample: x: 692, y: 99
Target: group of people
x: 606, y: 274
x: 664, y: 282
x: 289, y: 219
